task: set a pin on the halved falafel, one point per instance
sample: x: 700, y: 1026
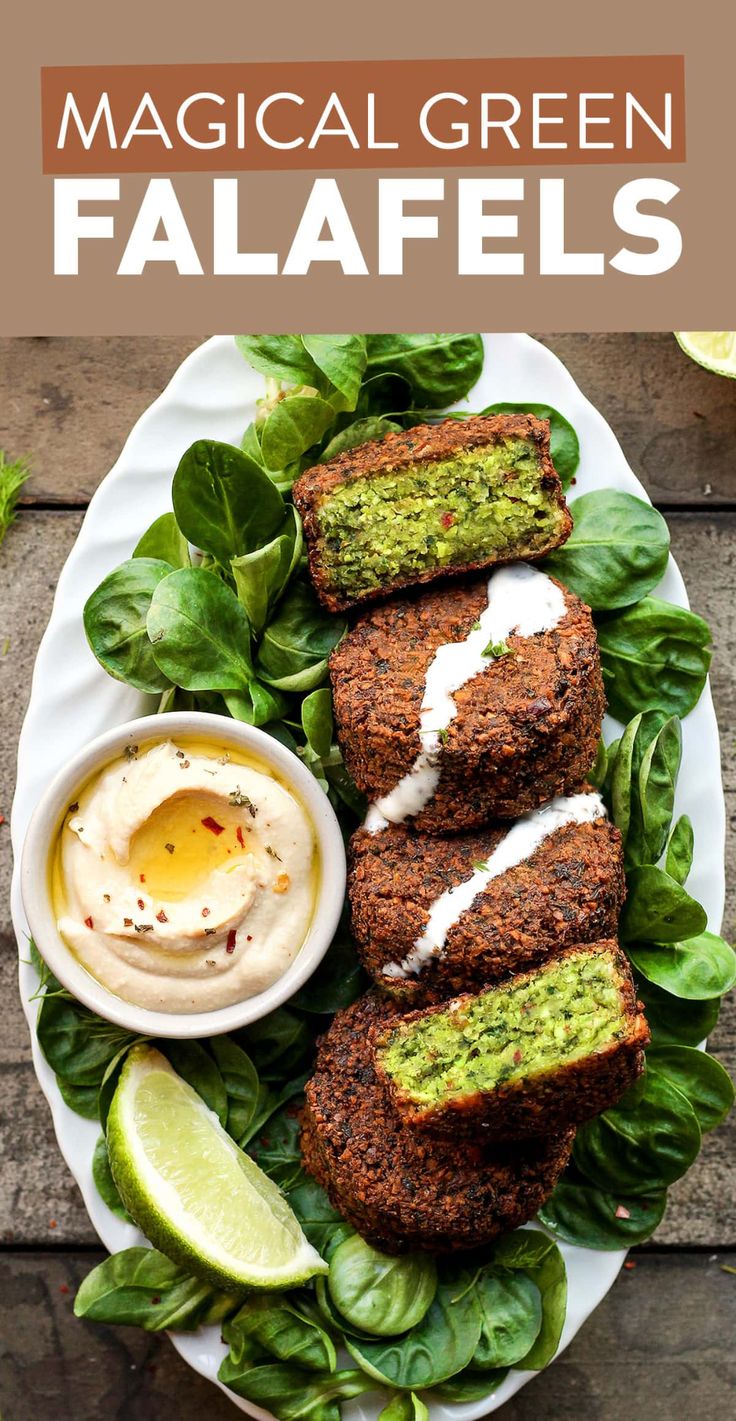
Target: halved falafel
x: 548, y: 1048
x: 401, y: 1188
x: 569, y: 890
x: 435, y: 499
x: 525, y: 728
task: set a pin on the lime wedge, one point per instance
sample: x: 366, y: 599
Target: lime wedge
x: 196, y: 1196
x: 714, y: 350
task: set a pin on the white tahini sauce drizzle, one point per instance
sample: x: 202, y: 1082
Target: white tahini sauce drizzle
x: 521, y: 601
x: 522, y: 840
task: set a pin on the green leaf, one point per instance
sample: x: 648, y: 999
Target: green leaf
x: 511, y: 1318
x: 564, y: 449
x: 643, y: 1149
x: 196, y: 1067
x: 283, y: 357
x: 297, y: 642
x: 199, y: 632
x: 257, y: 705
x: 550, y: 1277
x: 679, y: 856
x: 164, y: 541
x: 674, y: 1020
x: 280, y: 1045
x: 281, y: 1330
x: 338, y: 980
x: 377, y: 1293
x: 470, y: 1386
x: 224, y: 501
x: 13, y: 475
x: 277, y: 1150
x: 317, y: 722
x: 439, y: 368
x: 657, y: 781
x: 77, y: 1044
x: 342, y: 359
x: 617, y: 551
x: 82, y: 1099
x: 699, y: 1076
x: 115, y: 623
x: 139, y: 1287
x: 654, y: 656
x: 294, y: 425
x: 404, y: 1406
x: 240, y: 1079
x: 105, y: 1184
x: 440, y: 1345
x: 291, y: 1394
x: 261, y: 576
x: 580, y: 1213
x: 324, y: 1226
x: 658, y: 909
x: 359, y: 432
x: 697, y: 969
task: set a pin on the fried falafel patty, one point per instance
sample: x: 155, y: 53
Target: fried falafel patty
x: 570, y: 890
x: 436, y: 499
x: 545, y: 1049
x: 522, y: 729
x: 403, y: 1189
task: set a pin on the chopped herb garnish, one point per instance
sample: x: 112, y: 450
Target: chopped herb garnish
x: 224, y: 759
x: 210, y: 961
x: 106, y: 897
x: 169, y: 848
x: 143, y: 927
x: 498, y: 648
x: 479, y: 866
x: 73, y: 807
x: 241, y: 801
x: 442, y: 735
x: 180, y: 754
x: 209, y: 932
x: 475, y: 627
x: 130, y: 752
x: 272, y: 853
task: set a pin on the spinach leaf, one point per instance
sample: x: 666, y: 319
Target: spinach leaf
x: 115, y: 623
x: 511, y: 1318
x: 278, y: 1328
x: 679, y: 856
x: 617, y: 551
x: 199, y: 632
x: 276, y: 1150
x: 657, y: 908
x: 240, y: 1079
x: 342, y: 359
x: 440, y: 1345
x: 674, y: 1020
x: 82, y: 1099
x: 270, y: 1099
x: 139, y: 1287
x: 280, y: 1044
x: 404, y: 1406
x: 77, y: 1044
x: 580, y: 1213
x: 359, y: 432
x: 322, y: 1224
x: 105, y: 1184
x: 701, y: 1078
x: 697, y: 969
x: 564, y: 448
x: 643, y: 1149
x: 258, y: 705
x: 317, y: 721
x: 338, y: 980
x: 293, y: 652
x: 598, y: 772
x: 197, y: 1068
x: 439, y: 368
x: 654, y: 656
x: 542, y: 1262
x: 224, y: 501
x: 657, y: 780
x: 261, y: 575
x: 332, y: 1318
x: 164, y: 541
x: 282, y: 357
x: 377, y: 1293
x: 291, y: 1394
x: 294, y: 425
x: 470, y: 1386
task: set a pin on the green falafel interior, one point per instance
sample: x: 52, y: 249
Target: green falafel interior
x: 575, y: 1007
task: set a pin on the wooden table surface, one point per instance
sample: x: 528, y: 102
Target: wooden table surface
x: 660, y: 1346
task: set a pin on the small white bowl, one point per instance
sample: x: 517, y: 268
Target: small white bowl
x: 40, y: 841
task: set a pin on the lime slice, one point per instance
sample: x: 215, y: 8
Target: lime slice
x: 714, y: 350
x: 196, y: 1196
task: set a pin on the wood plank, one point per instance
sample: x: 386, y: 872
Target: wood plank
x: 657, y: 1347
x: 71, y: 401
x: 38, y: 1187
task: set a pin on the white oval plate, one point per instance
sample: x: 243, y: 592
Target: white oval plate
x: 212, y: 395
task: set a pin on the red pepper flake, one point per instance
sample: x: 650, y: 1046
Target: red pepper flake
x: 447, y: 520
x: 230, y: 944
x: 161, y: 916
x: 248, y: 937
x: 239, y: 836
x: 184, y: 764
x: 52, y: 1223
x: 155, y: 1301
x: 143, y: 878
x: 127, y: 922
x: 212, y: 825
x: 205, y: 912
x: 2, y: 818
x: 628, y: 1266
x: 622, y: 1213
x: 89, y: 923
x: 141, y: 904
x: 517, y: 1057
x: 64, y: 1288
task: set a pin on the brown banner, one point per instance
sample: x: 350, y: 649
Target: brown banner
x: 362, y: 114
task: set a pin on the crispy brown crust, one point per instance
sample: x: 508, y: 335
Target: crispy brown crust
x: 526, y: 729
x: 403, y: 1189
x: 570, y: 891
x: 518, y: 1110
x: 425, y: 443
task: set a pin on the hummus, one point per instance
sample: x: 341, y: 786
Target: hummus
x: 184, y: 879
